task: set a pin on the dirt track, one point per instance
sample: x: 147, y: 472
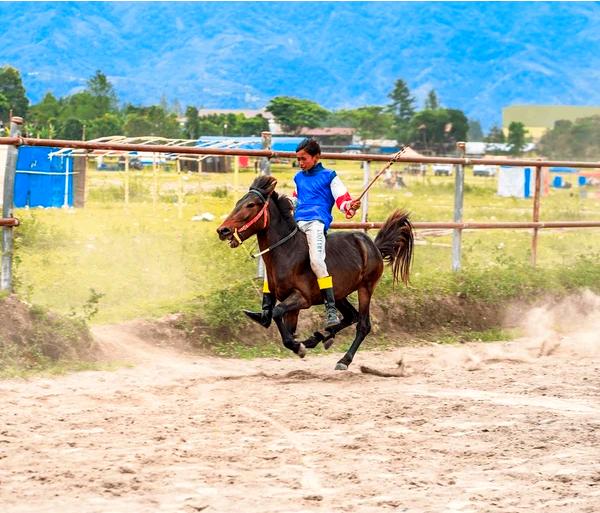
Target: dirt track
x: 472, y: 428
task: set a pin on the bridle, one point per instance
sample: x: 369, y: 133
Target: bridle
x: 264, y: 211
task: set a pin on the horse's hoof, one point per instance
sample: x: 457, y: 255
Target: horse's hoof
x: 301, y: 350
x: 341, y: 366
x: 328, y: 343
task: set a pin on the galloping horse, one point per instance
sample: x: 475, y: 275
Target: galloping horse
x: 354, y: 259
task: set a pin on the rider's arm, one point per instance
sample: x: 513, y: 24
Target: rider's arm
x: 342, y: 197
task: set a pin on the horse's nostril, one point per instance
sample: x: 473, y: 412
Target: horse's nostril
x: 223, y: 231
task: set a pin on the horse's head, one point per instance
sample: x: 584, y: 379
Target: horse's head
x: 250, y: 214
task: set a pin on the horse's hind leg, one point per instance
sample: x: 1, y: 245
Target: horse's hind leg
x: 349, y: 317
x: 362, y: 328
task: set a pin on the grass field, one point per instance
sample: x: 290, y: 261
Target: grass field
x: 149, y: 258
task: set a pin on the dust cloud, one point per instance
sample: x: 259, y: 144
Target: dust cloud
x: 571, y: 324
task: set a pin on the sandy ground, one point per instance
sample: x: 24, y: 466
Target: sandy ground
x: 502, y: 427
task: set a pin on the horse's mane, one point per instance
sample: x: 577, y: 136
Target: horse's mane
x: 266, y: 184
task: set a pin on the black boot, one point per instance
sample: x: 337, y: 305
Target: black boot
x: 263, y: 318
x: 332, y: 320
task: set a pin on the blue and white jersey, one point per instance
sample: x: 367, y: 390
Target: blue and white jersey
x: 317, y: 190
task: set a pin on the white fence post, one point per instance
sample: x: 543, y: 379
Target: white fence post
x: 7, y: 206
x: 459, y: 192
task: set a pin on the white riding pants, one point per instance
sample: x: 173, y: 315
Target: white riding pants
x: 315, y: 236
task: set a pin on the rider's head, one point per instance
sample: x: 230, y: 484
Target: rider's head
x: 308, y: 153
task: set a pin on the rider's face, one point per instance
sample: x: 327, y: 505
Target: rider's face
x: 305, y: 160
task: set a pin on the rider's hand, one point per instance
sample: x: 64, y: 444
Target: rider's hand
x: 351, y: 211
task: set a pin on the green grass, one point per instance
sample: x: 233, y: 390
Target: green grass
x: 148, y: 258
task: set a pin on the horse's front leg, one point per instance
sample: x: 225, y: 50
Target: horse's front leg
x: 294, y: 302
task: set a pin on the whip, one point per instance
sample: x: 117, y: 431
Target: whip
x: 385, y: 168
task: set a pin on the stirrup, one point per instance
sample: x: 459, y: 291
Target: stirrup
x: 332, y: 320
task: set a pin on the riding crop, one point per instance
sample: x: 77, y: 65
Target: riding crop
x: 385, y: 168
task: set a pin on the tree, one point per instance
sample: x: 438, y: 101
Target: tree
x: 403, y: 110
x: 370, y: 122
x: 516, y: 137
x: 4, y: 107
x: 137, y: 125
x: 41, y: 113
x: 71, y: 129
x: 402, y: 105
x: 438, y: 130
x: 83, y: 106
x: 578, y: 140
x: 11, y: 87
x: 109, y: 124
x: 153, y: 120
x: 103, y: 92
x: 191, y: 127
x: 475, y: 133
x: 294, y: 113
x: 495, y: 135
x: 431, y: 102
x: 459, y: 126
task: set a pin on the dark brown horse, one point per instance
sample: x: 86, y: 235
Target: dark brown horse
x: 353, y: 258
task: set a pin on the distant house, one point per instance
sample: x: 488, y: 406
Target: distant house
x: 331, y: 139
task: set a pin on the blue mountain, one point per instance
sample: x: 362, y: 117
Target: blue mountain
x: 478, y: 56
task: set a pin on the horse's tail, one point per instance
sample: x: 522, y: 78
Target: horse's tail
x: 395, y: 241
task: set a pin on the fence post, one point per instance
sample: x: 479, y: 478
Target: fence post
x: 66, y: 195
x: 180, y: 189
x: 536, y: 213
x: 459, y: 189
x: 365, y: 201
x: 265, y: 162
x: 7, y: 206
x: 236, y: 177
x: 265, y: 169
x: 126, y: 179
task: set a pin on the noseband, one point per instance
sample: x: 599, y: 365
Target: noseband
x: 263, y: 211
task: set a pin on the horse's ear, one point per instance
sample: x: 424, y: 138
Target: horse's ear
x: 271, y: 185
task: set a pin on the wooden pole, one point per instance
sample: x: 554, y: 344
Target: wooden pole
x: 536, y: 213
x: 459, y: 193
x: 154, y: 180
x: 126, y: 184
x: 180, y: 195
x: 236, y: 177
x: 6, y: 281
x: 365, y: 201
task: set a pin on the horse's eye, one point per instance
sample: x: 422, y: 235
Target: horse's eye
x: 250, y: 205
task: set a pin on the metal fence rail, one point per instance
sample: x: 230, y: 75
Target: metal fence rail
x: 457, y: 225
x: 187, y: 150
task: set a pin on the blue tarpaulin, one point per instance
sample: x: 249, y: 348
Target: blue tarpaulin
x: 41, y: 178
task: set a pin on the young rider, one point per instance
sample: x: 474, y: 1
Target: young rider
x: 317, y: 190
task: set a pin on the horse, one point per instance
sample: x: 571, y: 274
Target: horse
x: 355, y: 261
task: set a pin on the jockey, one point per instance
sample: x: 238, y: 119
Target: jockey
x: 317, y: 190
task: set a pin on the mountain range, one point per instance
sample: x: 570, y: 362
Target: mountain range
x: 478, y: 56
